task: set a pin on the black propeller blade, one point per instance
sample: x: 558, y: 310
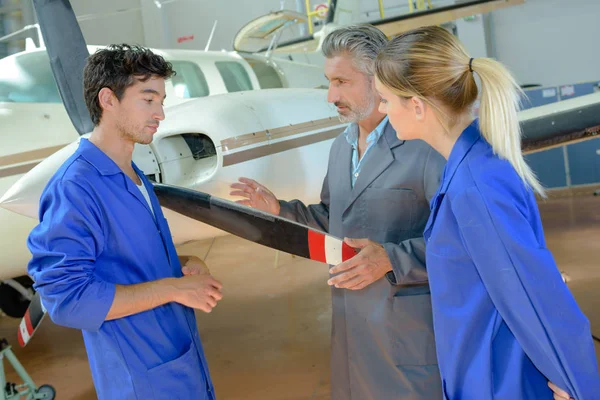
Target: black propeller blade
x: 68, y: 53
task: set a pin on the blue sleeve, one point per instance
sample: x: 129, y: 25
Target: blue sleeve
x: 64, y: 247
x: 526, y: 287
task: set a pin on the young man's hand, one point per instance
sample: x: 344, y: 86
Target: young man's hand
x: 192, y: 265
x: 197, y: 288
x: 200, y: 291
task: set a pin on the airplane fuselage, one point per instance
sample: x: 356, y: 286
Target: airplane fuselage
x: 204, y: 144
x: 34, y: 123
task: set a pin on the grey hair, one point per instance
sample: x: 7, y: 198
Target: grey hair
x: 362, y: 42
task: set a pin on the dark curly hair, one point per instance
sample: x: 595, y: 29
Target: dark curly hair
x: 116, y: 67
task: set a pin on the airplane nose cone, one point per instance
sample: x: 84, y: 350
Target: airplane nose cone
x: 8, y: 196
x: 24, y: 196
x: 14, y: 199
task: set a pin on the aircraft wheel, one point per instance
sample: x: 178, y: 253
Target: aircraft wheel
x: 45, y: 392
x: 13, y: 303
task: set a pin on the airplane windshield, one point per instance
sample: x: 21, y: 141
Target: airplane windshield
x: 27, y: 78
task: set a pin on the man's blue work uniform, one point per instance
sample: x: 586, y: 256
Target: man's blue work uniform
x: 96, y: 231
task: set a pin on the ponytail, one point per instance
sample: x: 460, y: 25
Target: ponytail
x: 430, y: 63
x: 498, y: 120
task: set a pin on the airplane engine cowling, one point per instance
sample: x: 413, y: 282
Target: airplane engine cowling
x: 186, y: 159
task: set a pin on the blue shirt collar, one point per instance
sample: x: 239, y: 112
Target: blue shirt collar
x: 463, y: 144
x: 351, y: 133
x: 96, y: 157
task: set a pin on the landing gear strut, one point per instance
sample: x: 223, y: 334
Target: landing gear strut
x: 9, y: 390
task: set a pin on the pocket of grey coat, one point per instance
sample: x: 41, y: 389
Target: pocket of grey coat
x: 179, y: 378
x: 390, y: 208
x: 411, y: 330
x: 412, y: 290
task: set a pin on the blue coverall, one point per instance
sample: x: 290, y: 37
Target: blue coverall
x: 96, y: 231
x: 505, y: 323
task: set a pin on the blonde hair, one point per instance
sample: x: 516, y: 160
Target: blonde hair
x: 431, y: 64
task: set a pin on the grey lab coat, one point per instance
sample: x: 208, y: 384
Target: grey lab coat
x: 382, y: 344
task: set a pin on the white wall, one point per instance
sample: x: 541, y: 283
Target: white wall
x: 550, y: 42
x: 110, y: 21
x: 472, y: 34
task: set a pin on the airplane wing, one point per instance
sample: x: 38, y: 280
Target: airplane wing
x: 557, y: 124
x: 257, y: 226
x: 440, y: 13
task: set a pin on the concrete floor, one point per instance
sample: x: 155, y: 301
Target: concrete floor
x: 269, y: 337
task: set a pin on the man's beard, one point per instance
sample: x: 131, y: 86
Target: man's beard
x: 128, y: 131
x: 358, y: 112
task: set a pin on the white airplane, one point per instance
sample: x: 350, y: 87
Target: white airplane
x: 279, y: 136
x: 35, y: 124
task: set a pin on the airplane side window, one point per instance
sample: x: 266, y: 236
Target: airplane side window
x: 266, y: 74
x: 189, y: 82
x: 234, y: 75
x: 34, y: 84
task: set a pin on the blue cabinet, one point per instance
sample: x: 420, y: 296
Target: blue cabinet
x: 549, y: 167
x: 583, y: 158
x: 584, y: 162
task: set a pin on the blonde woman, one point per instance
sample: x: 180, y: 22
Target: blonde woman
x: 505, y: 323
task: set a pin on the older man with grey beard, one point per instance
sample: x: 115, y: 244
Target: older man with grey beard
x: 376, y: 191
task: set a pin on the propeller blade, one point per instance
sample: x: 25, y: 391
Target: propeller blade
x: 255, y: 225
x: 68, y: 53
x: 31, y: 320
x: 248, y: 223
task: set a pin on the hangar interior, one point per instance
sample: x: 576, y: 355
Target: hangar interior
x: 269, y: 338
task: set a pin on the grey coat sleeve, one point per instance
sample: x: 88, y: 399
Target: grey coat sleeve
x: 314, y: 215
x: 408, y: 256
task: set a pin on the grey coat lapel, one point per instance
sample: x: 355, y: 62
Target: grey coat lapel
x: 379, y: 158
x: 343, y: 171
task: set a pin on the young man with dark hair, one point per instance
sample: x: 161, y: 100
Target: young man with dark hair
x: 103, y: 257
